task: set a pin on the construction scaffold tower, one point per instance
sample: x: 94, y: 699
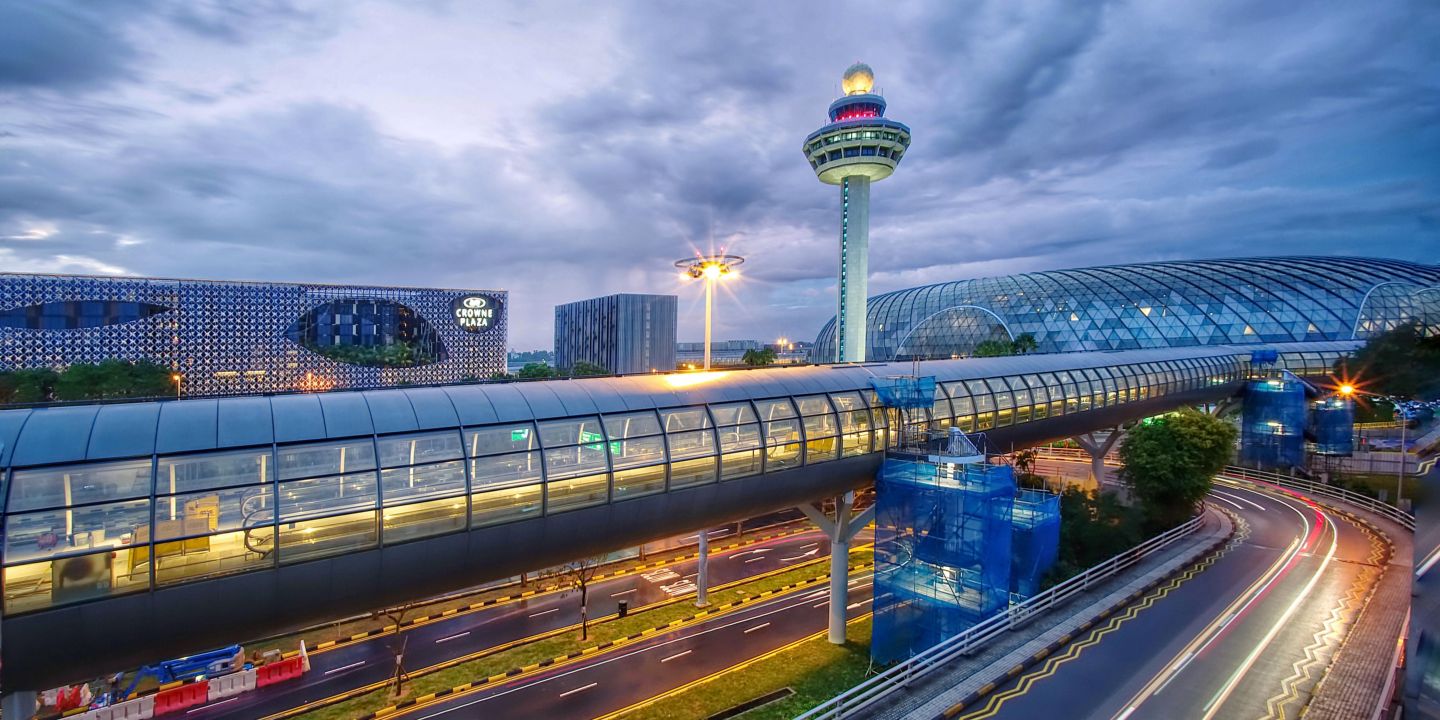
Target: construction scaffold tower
x: 943, y: 528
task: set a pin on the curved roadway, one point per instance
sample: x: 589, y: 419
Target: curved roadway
x: 1250, y: 636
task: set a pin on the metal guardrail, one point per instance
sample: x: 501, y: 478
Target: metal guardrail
x: 878, y: 686
x: 1310, y: 487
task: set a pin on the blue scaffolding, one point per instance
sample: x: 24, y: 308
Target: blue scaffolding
x: 1272, y: 430
x: 942, y: 551
x: 1333, y: 422
x: 1035, y: 539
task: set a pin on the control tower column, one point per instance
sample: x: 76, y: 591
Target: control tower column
x: 854, y: 267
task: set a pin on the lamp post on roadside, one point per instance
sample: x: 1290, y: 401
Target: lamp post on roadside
x: 710, y: 268
x: 1402, y: 414
x: 176, y: 378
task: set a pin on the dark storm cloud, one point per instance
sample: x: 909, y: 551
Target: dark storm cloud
x: 65, y: 45
x: 1047, y: 134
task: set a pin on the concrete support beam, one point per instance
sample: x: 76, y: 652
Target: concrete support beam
x: 19, y: 705
x: 702, y: 578
x: 841, y: 530
x: 1098, y: 449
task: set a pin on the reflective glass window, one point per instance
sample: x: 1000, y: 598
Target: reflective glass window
x: 212, y: 470
x: 684, y: 419
x: 574, y: 493
x: 500, y: 439
x: 34, y: 586
x: 631, y: 425
x: 521, y: 467
x: 329, y: 458
x: 637, y: 451
x: 695, y: 471
x: 78, y: 484
x: 423, y: 519
x: 308, y: 539
x: 322, y: 496
x: 571, y: 431
x: 408, y: 484
x: 399, y: 450
x: 61, y: 531
x: 505, y: 505
x: 691, y: 444
x: 733, y: 414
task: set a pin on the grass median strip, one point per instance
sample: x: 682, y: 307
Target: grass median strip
x: 811, y: 666
x: 544, y: 652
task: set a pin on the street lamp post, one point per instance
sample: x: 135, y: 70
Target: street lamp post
x: 1401, y: 414
x: 176, y: 378
x: 710, y: 268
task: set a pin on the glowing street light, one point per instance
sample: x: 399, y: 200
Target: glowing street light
x: 709, y: 268
x: 176, y: 378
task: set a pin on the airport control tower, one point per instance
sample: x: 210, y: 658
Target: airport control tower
x: 857, y: 147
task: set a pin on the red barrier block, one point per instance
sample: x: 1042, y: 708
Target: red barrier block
x: 279, y: 672
x: 179, y: 698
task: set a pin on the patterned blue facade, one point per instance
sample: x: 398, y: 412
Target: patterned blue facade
x: 1167, y: 304
x: 228, y: 338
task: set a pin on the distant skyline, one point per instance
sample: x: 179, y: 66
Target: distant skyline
x: 570, y: 150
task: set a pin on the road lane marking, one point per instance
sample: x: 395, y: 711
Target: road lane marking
x: 1430, y: 561
x: 211, y: 705
x: 622, y: 656
x: 452, y: 637
x: 755, y: 559
x: 1234, y: 680
x: 854, y: 605
x: 579, y: 689
x: 821, y: 604
x: 624, y: 592
x: 347, y: 667
x: 811, y: 553
x: 545, y: 612
x: 757, y: 627
x: 1239, y: 498
x: 1231, y: 503
x: 815, y: 545
x: 677, y: 655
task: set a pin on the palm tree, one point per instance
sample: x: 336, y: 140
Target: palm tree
x: 1024, y: 343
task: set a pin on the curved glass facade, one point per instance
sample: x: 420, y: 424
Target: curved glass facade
x: 1169, y: 304
x: 113, y: 499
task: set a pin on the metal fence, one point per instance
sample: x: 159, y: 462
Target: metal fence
x: 902, y: 674
x: 1311, y: 487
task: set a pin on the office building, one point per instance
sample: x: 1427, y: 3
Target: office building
x: 229, y: 338
x: 623, y: 333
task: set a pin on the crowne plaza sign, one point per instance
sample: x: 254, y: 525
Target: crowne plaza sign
x: 476, y: 313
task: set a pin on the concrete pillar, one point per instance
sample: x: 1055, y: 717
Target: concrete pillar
x: 702, y: 578
x: 1098, y: 449
x: 854, y: 283
x: 19, y: 705
x: 841, y: 530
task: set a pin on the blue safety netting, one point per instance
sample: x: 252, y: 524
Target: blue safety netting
x: 1035, y: 542
x: 1272, y: 427
x: 905, y: 392
x: 942, y: 552
x: 1333, y: 422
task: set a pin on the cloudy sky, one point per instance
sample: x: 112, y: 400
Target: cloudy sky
x: 565, y: 150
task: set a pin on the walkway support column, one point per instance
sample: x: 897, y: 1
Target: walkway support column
x: 702, y: 577
x: 1098, y: 449
x: 18, y: 704
x: 841, y: 530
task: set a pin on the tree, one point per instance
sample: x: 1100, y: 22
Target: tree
x: 398, y: 640
x: 1024, y: 343
x: 755, y: 358
x: 583, y: 368
x: 1403, y: 362
x: 578, y: 574
x: 1170, y: 462
x: 1024, y: 462
x: 994, y: 348
x: 537, y: 370
x: 1093, y: 527
x: 27, y: 386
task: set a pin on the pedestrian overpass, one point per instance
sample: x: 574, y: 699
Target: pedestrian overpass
x: 140, y: 530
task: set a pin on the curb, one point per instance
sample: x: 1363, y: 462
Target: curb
x: 978, y: 695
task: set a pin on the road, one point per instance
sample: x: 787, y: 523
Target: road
x: 351, y: 666
x: 602, y: 684
x: 1228, y: 642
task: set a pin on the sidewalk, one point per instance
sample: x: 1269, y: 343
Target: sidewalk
x: 978, y: 674
x: 1361, y: 677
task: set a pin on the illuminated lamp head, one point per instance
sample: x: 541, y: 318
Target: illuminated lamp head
x: 1347, y: 389
x: 858, y: 79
